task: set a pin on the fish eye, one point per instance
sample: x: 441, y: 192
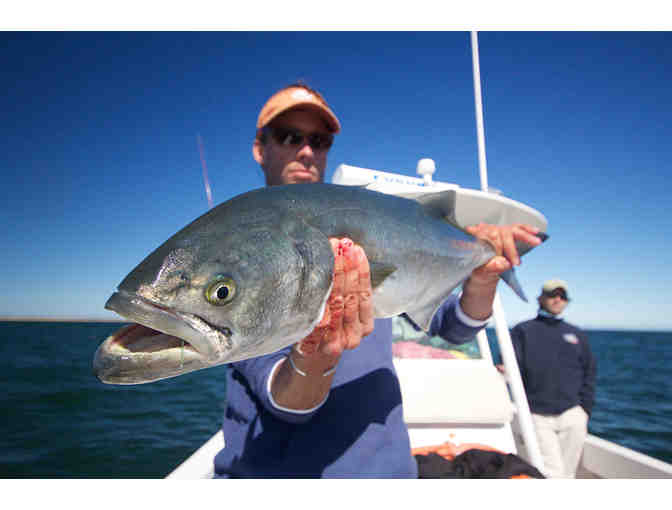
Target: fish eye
x: 220, y: 291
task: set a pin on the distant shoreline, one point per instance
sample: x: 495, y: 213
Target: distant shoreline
x: 59, y: 319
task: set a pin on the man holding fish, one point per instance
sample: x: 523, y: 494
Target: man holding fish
x: 330, y: 405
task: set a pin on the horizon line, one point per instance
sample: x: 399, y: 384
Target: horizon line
x: 46, y: 318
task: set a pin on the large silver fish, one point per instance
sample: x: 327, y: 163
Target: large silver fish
x: 253, y: 275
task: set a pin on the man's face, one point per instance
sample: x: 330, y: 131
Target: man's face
x: 291, y: 164
x: 554, y: 302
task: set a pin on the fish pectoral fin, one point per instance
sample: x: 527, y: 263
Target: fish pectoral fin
x: 379, y: 272
x: 314, y: 262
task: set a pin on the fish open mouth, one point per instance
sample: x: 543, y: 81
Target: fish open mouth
x: 137, y: 338
x: 137, y: 354
x: 161, y: 343
x: 154, y: 319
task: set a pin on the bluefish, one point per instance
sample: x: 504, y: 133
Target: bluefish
x: 253, y: 275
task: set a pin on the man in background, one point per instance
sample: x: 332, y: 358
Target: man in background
x: 558, y: 371
x: 330, y: 406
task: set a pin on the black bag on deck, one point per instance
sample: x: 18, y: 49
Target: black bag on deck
x: 475, y: 464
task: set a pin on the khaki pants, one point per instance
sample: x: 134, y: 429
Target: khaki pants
x: 561, y: 439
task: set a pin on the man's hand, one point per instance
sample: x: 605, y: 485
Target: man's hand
x: 478, y: 292
x: 300, y: 383
x: 349, y: 313
x: 503, y: 239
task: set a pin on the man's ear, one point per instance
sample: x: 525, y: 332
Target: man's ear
x: 258, y: 151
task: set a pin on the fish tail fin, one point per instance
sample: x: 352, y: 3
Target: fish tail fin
x: 510, y: 276
x: 523, y: 248
x: 512, y: 281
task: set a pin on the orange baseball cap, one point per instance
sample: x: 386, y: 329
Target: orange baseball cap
x: 294, y: 97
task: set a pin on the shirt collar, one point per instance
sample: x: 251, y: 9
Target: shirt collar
x: 549, y: 315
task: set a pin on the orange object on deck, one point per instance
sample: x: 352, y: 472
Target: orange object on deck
x: 450, y: 450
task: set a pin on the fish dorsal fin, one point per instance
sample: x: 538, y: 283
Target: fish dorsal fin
x: 379, y: 272
x: 440, y: 205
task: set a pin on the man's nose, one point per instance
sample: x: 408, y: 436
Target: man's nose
x: 306, y: 150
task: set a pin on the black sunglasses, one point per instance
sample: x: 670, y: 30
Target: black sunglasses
x: 557, y: 293
x: 295, y: 138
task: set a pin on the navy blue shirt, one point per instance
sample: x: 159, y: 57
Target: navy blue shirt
x: 358, y: 432
x: 556, y: 364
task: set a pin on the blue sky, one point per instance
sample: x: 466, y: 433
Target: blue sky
x: 100, y: 160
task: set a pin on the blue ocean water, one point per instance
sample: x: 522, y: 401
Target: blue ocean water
x: 59, y: 421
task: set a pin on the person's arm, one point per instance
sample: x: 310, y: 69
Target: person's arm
x: 587, y: 392
x: 452, y: 324
x: 303, y: 379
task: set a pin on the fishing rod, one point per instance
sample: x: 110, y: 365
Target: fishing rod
x: 206, y: 180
